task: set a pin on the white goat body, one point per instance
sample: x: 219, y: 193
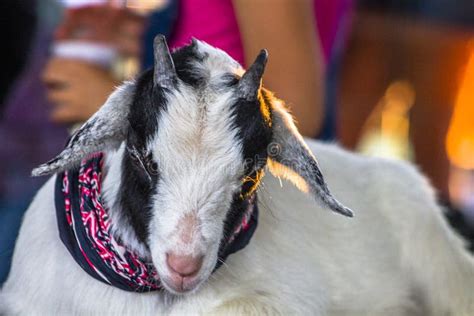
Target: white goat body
x: 207, y: 130
x: 395, y: 257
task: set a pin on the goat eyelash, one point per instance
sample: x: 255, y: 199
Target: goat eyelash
x: 149, y: 166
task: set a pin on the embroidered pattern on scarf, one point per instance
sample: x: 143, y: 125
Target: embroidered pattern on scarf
x: 84, y: 227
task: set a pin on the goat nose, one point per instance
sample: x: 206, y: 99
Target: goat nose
x: 185, y: 266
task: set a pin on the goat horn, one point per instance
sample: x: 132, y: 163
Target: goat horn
x: 164, y: 74
x: 251, y: 80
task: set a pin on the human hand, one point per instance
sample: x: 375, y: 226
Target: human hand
x: 118, y: 27
x: 76, y: 89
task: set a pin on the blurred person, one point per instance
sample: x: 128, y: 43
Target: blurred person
x: 302, y: 38
x: 299, y: 46
x: 80, y: 74
x: 26, y: 134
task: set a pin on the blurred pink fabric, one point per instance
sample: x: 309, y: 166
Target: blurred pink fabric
x: 214, y: 21
x: 333, y: 19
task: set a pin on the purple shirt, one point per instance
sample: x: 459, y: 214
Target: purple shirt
x: 27, y: 137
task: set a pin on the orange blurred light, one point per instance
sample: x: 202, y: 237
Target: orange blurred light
x: 460, y: 137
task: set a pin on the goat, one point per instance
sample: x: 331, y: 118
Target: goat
x: 186, y: 144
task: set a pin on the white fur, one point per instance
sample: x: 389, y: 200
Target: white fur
x: 199, y: 173
x: 396, y: 256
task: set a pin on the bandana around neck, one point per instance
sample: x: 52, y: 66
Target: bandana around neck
x: 84, y: 228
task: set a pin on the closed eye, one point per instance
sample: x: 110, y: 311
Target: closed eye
x: 152, y: 167
x: 146, y: 163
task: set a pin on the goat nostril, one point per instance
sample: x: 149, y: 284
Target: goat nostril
x: 184, y: 265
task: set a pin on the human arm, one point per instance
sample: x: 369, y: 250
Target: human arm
x: 295, y: 72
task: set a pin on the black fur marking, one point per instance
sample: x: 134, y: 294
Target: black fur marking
x: 230, y: 80
x: 254, y: 130
x: 255, y: 133
x: 183, y: 59
x: 136, y: 191
x: 136, y: 197
x: 144, y: 112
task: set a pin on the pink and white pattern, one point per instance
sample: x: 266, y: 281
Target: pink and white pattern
x: 96, y: 221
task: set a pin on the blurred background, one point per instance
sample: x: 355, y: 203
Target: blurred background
x: 380, y: 77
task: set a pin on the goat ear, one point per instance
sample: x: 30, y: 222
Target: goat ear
x: 251, y: 81
x: 164, y: 73
x: 106, y: 129
x: 290, y: 158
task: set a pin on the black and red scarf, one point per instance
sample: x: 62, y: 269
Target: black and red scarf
x: 84, y: 228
